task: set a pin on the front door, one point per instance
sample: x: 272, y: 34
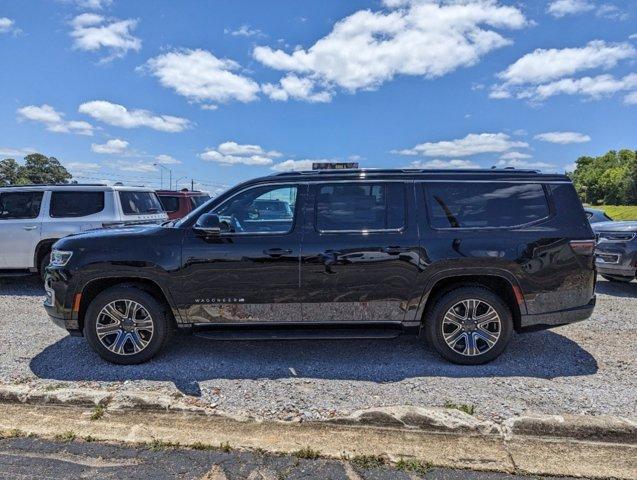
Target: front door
x: 20, y: 225
x: 250, y: 272
x: 360, y: 254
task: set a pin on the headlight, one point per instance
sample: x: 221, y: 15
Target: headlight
x: 60, y: 258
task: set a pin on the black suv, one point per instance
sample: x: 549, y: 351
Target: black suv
x: 465, y: 257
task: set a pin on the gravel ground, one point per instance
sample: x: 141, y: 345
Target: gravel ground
x: 585, y: 368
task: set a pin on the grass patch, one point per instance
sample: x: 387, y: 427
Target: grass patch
x: 89, y: 439
x: 202, y: 446
x: 463, y: 407
x: 225, y: 447
x: 54, y: 386
x: 13, y: 433
x: 66, y: 436
x: 158, y: 445
x: 368, y: 462
x: 98, y: 412
x: 412, y: 465
x: 307, y: 453
x: 619, y: 212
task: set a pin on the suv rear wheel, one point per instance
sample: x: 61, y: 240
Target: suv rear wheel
x: 126, y: 325
x: 469, y: 326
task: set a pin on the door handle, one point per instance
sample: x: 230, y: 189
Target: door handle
x: 30, y: 227
x: 277, y: 252
x: 394, y: 250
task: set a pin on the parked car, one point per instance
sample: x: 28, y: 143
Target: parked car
x: 616, y: 252
x: 179, y: 203
x: 595, y: 216
x: 366, y: 253
x: 34, y: 217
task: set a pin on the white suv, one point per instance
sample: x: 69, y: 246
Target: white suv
x: 33, y: 217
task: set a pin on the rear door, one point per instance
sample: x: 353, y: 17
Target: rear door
x: 20, y: 224
x: 70, y: 212
x: 360, y: 252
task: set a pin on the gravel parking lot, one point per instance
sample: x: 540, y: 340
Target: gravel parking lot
x: 588, y: 367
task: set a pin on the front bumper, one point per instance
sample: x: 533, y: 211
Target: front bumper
x: 553, y: 319
x: 56, y: 304
x: 616, y: 258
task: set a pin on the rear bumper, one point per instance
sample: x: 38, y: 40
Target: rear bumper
x: 560, y: 317
x: 616, y: 258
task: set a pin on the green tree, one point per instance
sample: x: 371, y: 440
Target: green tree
x: 9, y: 172
x: 610, y: 178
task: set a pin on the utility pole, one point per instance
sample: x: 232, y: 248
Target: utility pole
x: 192, y: 184
x: 170, y: 175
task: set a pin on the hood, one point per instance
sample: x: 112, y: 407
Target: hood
x: 615, y: 226
x: 90, y: 237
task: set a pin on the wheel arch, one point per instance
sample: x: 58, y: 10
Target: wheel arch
x: 96, y: 286
x: 500, y: 282
x: 41, y: 249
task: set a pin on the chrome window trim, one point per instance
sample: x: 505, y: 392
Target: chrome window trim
x: 363, y: 231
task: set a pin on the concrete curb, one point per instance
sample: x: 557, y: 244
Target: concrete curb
x: 600, y: 447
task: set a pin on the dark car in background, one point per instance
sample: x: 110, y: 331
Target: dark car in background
x: 594, y: 215
x: 465, y: 257
x: 179, y: 203
x: 616, y: 252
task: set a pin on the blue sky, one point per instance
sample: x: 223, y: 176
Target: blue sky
x: 227, y: 90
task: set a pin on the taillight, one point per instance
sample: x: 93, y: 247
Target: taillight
x: 583, y: 247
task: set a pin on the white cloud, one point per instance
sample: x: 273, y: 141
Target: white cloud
x: 543, y: 65
x: 514, y: 156
x: 368, y: 48
x: 631, y: 98
x: 546, y: 72
x: 633, y: 36
x: 120, y: 116
x: 232, y: 153
x: 77, y: 168
x: 563, y: 138
x: 611, y: 12
x: 92, y: 32
x: 243, y: 31
x: 296, y: 165
x: 472, y: 144
x: 166, y: 160
x: 127, y: 166
x: 113, y: 146
x: 201, y: 77
x: 443, y: 164
x: 560, y: 8
x: 16, y: 152
x: 93, y: 4
x: 54, y: 120
x: 592, y: 87
x: 7, y: 25
x: 291, y: 86
x: 519, y: 163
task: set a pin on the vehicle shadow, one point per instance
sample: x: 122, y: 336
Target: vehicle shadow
x: 26, y: 286
x: 616, y: 289
x: 191, y: 360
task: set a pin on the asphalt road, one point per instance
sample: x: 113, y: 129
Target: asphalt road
x: 30, y: 458
x: 588, y: 367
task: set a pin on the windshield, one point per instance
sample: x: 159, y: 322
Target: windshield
x: 139, y: 203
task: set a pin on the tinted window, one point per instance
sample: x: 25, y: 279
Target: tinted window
x: 139, y: 203
x: 360, y: 206
x: 480, y: 205
x: 76, y: 204
x: 199, y: 200
x: 267, y: 209
x: 20, y: 205
x: 170, y: 203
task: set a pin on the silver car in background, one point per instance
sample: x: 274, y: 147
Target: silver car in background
x: 34, y: 217
x: 616, y: 250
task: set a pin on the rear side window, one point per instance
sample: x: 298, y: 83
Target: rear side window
x: 139, y: 203
x: 169, y: 202
x: 199, y: 200
x: 485, y: 205
x: 360, y: 207
x: 16, y: 205
x: 76, y: 204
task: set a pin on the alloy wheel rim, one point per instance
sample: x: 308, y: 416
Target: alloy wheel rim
x: 124, y: 327
x: 471, y: 327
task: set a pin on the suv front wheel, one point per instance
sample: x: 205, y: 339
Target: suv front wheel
x: 469, y: 325
x: 126, y: 325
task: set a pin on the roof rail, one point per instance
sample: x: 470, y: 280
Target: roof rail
x: 56, y: 185
x: 485, y: 171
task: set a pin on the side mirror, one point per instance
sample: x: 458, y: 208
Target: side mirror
x: 208, y: 224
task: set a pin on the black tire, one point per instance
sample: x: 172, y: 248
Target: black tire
x: 162, y: 327
x: 44, y: 262
x: 617, y: 278
x: 434, y: 325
